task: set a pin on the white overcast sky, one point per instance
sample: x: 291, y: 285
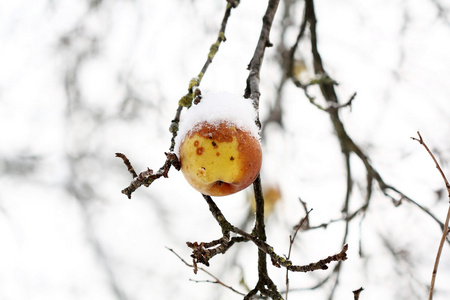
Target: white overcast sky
x: 66, y: 231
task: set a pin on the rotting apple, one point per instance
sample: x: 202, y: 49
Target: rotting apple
x: 220, y: 159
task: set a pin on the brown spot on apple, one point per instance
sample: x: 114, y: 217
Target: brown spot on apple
x: 202, y: 171
x: 200, y: 151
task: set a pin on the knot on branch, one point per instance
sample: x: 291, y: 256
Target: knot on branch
x: 172, y: 159
x: 199, y: 253
x: 203, y: 252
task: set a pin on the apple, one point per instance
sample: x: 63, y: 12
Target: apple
x: 220, y: 158
x: 272, y: 195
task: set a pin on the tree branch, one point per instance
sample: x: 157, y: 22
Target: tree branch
x: 186, y: 100
x: 147, y: 177
x: 445, y: 230
x: 277, y: 260
x: 216, y: 280
x: 252, y: 89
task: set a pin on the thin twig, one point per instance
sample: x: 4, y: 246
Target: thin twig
x: 252, y: 88
x: 147, y: 177
x: 291, y: 242
x: 127, y: 163
x: 445, y: 230
x: 187, y: 99
x: 216, y: 280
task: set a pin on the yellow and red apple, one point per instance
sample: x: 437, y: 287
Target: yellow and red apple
x: 220, y: 159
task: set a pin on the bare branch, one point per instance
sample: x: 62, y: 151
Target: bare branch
x: 186, y: 100
x: 445, y: 230
x: 127, y: 163
x: 147, y: 177
x: 304, y: 220
x: 323, y: 263
x: 216, y: 280
x: 252, y: 88
x: 277, y: 260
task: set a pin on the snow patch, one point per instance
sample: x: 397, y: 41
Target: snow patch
x: 215, y: 108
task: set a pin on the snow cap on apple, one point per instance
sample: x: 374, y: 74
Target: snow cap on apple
x: 218, y: 144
